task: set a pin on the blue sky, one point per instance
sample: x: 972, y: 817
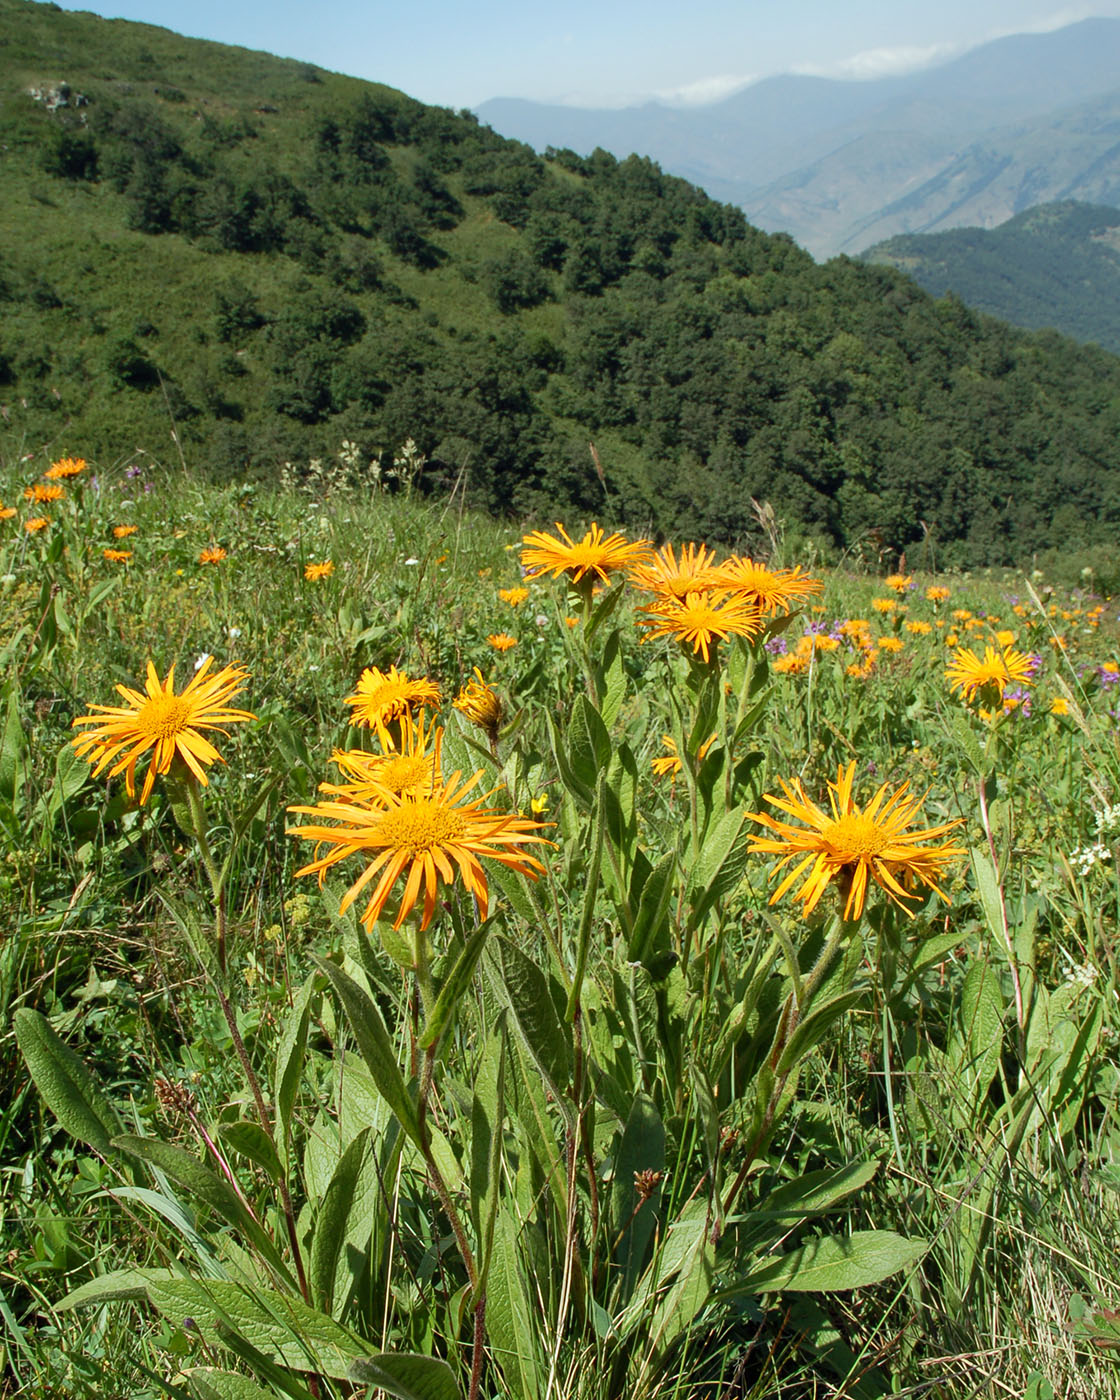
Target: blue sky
x: 604, y: 53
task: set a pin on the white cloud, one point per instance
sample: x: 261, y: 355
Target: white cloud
x: 882, y: 63
x: 706, y: 90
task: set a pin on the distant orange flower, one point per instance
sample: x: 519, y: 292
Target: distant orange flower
x: 670, y: 763
x: 384, y: 696
x: 501, y: 641
x: 974, y: 676
x: 900, y: 583
x: 936, y: 593
x: 43, y: 495
x: 65, y: 467
x: 6, y: 512
x: 117, y: 556
x: 314, y: 572
x: 122, y: 532
x: 35, y: 524
x: 1059, y: 705
x: 513, y: 596
x: 212, y: 554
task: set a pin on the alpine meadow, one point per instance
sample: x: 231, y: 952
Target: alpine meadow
x: 559, y: 777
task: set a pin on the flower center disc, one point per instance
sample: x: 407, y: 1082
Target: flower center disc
x: 420, y: 825
x: 854, y: 836
x: 164, y: 717
x: 401, y: 774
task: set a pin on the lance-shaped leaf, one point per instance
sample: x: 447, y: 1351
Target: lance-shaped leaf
x: 67, y: 1086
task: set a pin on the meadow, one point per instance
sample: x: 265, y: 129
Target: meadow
x: 523, y: 1059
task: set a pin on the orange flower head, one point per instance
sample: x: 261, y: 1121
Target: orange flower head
x: 162, y: 722
x: 43, y: 495
x: 428, y: 837
x: 381, y: 697
x: 65, y: 467
x: 594, y: 556
x: 770, y: 590
x: 853, y: 846
x: 668, y: 576
x: 212, y: 554
x: 314, y: 572
x: 703, y: 619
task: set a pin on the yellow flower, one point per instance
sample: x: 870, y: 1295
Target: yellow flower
x: 1005, y: 638
x: 432, y: 836
x: 314, y: 572
x: 7, y: 512
x: 122, y: 532
x: 702, y: 619
x: 671, y: 763
x: 571, y: 622
x: 900, y: 583
x: 850, y: 846
x: 163, y: 722
x: 961, y: 615
x: 65, y: 467
x: 212, y: 554
x: 410, y: 769
x: 890, y: 644
x: 792, y: 664
x: 540, y: 804
x: 501, y: 641
x: 117, y: 556
x: 770, y: 590
x: 884, y: 605
x: 1059, y: 705
x: 669, y: 577
x: 919, y: 629
x: 480, y: 704
x: 513, y: 596
x: 936, y: 593
x: 973, y: 676
x: 43, y: 495
x: 595, y: 554
x: 384, y: 696
x: 35, y: 524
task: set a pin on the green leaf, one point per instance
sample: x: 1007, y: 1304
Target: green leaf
x: 13, y: 747
x: 252, y: 1142
x: 832, y: 1264
x: 375, y: 1047
x: 67, y: 1086
x: 289, y: 1061
x: 332, y: 1219
x: 71, y: 774
x: 281, y: 1327
x: 613, y: 679
x: 719, y: 863
x: 122, y: 1285
x: 642, y: 1149
x: 816, y: 1025
x: 407, y: 1376
x: 455, y: 986
x: 588, y: 743
x: 509, y: 1321
x: 527, y: 993
x: 591, y: 889
x: 814, y: 1192
x: 488, y: 1110
x: 650, y: 934
x: 207, y: 1383
x: 987, y: 886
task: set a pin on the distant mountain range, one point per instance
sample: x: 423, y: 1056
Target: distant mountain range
x: 1055, y: 265
x: 840, y: 165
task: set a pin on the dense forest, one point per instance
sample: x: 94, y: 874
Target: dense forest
x: 1055, y: 265
x: 249, y: 261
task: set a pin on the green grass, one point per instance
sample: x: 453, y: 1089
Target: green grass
x: 999, y: 1159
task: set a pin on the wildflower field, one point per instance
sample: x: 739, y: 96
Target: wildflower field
x: 440, y: 959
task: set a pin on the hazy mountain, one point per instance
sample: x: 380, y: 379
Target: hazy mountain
x: 1056, y: 265
x: 839, y: 164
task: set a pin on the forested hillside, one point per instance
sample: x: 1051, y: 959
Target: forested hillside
x: 268, y: 260
x: 1055, y: 265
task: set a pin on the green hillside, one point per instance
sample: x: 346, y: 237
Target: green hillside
x: 1055, y: 265
x: 267, y: 260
